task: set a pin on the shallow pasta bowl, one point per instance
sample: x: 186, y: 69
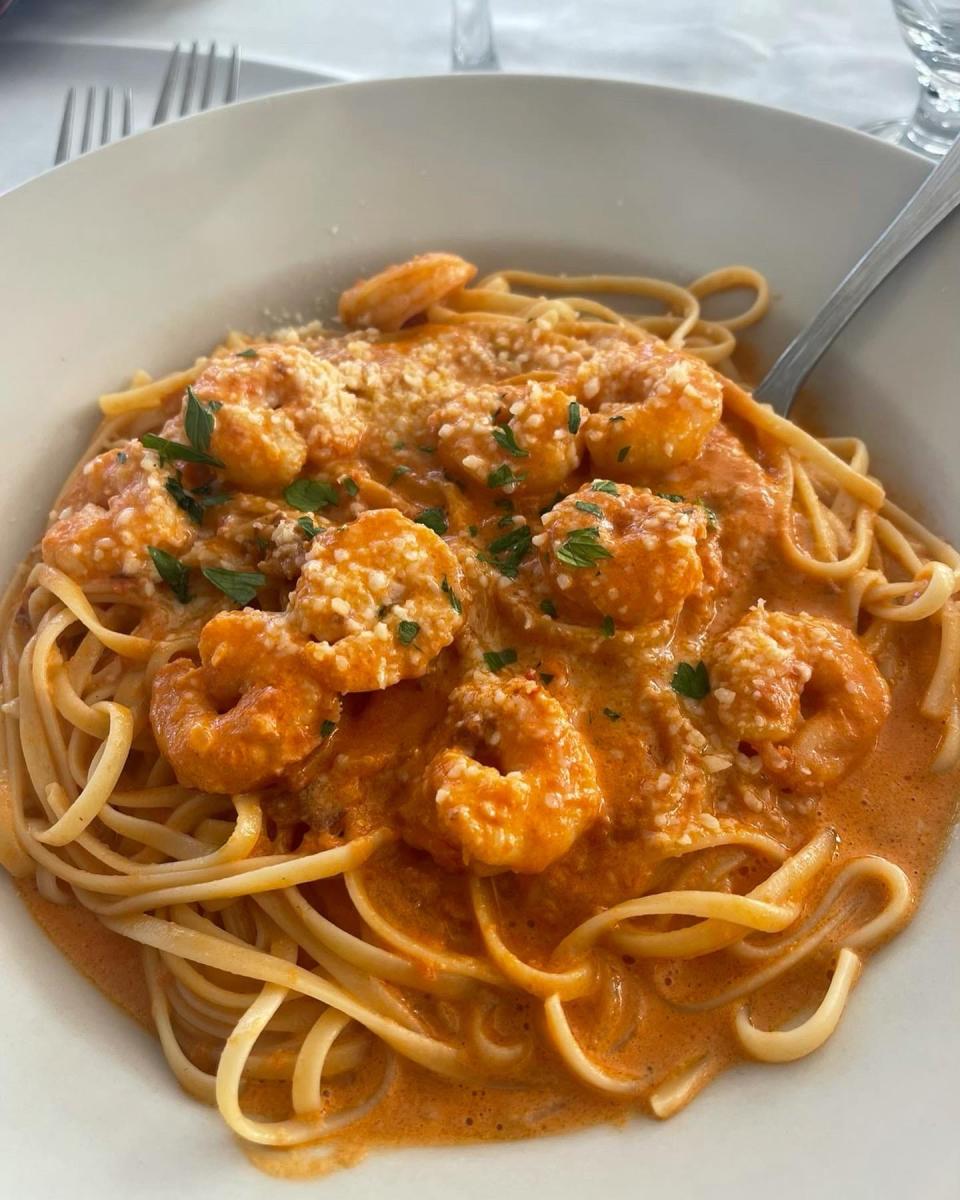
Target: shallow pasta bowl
x: 144, y: 254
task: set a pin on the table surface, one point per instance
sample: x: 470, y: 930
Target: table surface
x: 841, y: 60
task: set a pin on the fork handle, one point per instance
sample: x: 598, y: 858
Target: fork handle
x: 934, y: 199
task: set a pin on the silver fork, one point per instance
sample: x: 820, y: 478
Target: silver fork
x: 87, y: 134
x: 188, y: 89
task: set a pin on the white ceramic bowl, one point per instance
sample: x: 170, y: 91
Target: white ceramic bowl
x: 145, y: 253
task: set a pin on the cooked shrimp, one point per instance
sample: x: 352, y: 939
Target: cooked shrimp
x: 392, y: 297
x: 622, y: 552
x: 803, y: 691
x: 249, y: 711
x: 372, y: 594
x: 315, y: 417
x: 514, y: 791
x: 654, y: 407
x: 117, y: 507
x: 528, y: 427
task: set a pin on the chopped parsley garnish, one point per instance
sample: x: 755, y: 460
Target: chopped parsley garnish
x: 622, y: 453
x: 240, y: 586
x: 573, y: 416
x: 349, y: 485
x: 170, y: 451
x: 472, y: 530
x: 308, y: 527
x: 547, y: 607
x: 248, y: 353
x: 546, y: 678
x: 505, y: 521
x: 310, y: 495
x: 691, y: 681
x: 503, y: 435
x: 451, y: 595
x: 184, y: 499
x: 496, y: 660
x: 327, y: 728
x: 585, y: 506
x: 433, y: 518
x: 397, y: 472
x: 508, y: 551
x: 674, y: 496
x: 427, y: 449
x: 611, y: 714
x: 607, y: 627
x: 503, y: 476
x: 604, y: 485
x: 121, y: 457
x: 710, y: 514
x: 198, y: 421
x: 172, y: 571
x: 406, y: 632
x: 582, y: 548
x: 399, y: 445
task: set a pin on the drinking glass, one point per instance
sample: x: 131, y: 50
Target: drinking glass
x: 931, y: 29
x: 472, y: 47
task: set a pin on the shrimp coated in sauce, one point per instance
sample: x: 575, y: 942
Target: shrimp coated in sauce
x: 803, y: 691
x: 516, y: 788
x: 527, y: 426
x: 117, y: 507
x: 394, y: 296
x: 653, y: 407
x: 377, y: 597
x: 250, y: 710
x: 626, y: 553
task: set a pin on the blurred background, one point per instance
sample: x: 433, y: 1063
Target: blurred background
x: 841, y: 60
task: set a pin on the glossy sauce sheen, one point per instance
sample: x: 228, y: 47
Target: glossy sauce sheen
x: 888, y: 805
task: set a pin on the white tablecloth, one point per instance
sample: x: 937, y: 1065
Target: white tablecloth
x: 841, y: 60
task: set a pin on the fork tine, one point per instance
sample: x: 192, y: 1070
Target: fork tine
x: 86, y: 138
x: 233, y: 79
x: 106, y: 121
x: 166, y: 89
x: 127, y: 112
x: 187, y: 96
x: 66, y: 129
x: 209, y: 76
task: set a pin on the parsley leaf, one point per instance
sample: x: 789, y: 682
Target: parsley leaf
x: 184, y: 499
x: 240, y: 586
x: 248, y: 353
x: 691, y: 681
x: 397, y: 472
x: 504, y: 436
x: 172, y: 571
x: 508, y: 551
x: 585, y: 506
x: 170, y: 451
x: 496, y: 660
x: 674, y: 496
x: 433, y: 518
x: 581, y: 548
x: 607, y: 627
x: 472, y: 530
x: 406, y: 632
x: 308, y: 527
x: 710, y: 514
x: 503, y: 476
x: 310, y: 495
x: 198, y: 421
x: 611, y: 714
x: 622, y: 453
x: 349, y: 485
x: 121, y: 457
x: 573, y: 416
x: 327, y: 728
x: 451, y: 595
x: 604, y: 485
x: 547, y: 607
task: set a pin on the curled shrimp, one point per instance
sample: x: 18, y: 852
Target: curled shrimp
x: 653, y: 407
x: 380, y: 596
x: 528, y: 427
x: 625, y: 553
x: 117, y: 507
x: 249, y: 711
x: 803, y: 691
x: 282, y: 408
x: 392, y: 297
x: 514, y: 791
